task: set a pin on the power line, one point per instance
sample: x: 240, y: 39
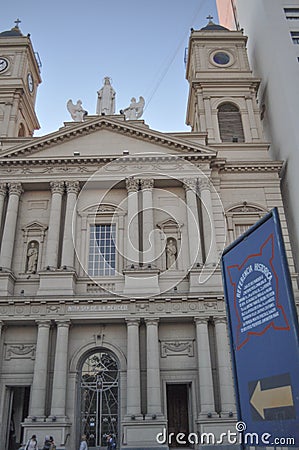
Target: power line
x: 173, y: 56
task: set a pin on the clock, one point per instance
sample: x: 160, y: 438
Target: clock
x: 3, y: 64
x: 30, y: 82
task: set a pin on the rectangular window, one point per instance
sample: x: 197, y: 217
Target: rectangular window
x: 295, y: 36
x: 102, y: 250
x: 291, y: 13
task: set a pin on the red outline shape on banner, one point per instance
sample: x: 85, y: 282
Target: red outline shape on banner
x: 278, y: 306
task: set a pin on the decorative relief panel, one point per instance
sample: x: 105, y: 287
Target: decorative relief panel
x: 19, y: 351
x: 177, y: 347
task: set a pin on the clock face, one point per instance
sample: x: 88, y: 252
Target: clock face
x: 3, y: 64
x: 30, y: 82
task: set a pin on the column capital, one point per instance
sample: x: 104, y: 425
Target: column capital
x: 190, y: 184
x: 220, y: 320
x: 132, y: 321
x: 15, y: 188
x: 63, y: 323
x: 3, y: 189
x: 72, y: 187
x: 43, y: 323
x: 151, y: 321
x: 201, y: 320
x: 132, y: 184
x: 147, y: 183
x: 204, y: 184
x: 57, y: 187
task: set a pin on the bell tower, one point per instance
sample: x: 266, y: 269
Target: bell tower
x: 222, y: 90
x: 19, y: 79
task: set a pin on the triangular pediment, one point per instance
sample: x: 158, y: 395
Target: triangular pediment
x: 33, y: 226
x: 105, y: 136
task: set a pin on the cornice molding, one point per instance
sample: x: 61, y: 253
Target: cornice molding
x: 248, y: 166
x: 100, y: 123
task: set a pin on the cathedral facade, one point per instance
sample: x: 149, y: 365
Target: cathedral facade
x: 112, y: 312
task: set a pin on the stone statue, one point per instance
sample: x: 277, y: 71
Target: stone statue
x: 32, y: 257
x: 171, y: 253
x: 76, y: 111
x: 135, y: 110
x: 106, y: 99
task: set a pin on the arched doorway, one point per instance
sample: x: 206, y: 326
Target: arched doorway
x: 99, y: 398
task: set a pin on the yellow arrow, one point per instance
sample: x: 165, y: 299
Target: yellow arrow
x: 271, y: 398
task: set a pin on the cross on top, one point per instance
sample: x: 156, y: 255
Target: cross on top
x: 17, y: 23
x: 210, y: 17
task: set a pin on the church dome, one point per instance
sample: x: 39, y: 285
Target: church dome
x: 13, y: 32
x: 213, y: 27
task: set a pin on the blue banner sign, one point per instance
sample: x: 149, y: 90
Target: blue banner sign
x: 263, y: 329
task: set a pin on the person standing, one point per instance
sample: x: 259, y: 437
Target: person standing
x: 53, y: 445
x: 83, y: 444
x: 48, y: 443
x: 32, y: 443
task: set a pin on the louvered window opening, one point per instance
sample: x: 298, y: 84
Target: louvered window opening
x: 230, y: 123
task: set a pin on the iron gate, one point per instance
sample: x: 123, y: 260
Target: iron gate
x: 99, y: 398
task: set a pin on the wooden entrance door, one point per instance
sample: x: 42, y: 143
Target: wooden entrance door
x: 177, y: 412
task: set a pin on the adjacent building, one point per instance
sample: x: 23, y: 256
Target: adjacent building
x: 272, y: 27
x: 112, y: 314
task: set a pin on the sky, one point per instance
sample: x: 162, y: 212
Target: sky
x: 139, y: 44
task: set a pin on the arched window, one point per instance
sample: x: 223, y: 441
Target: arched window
x: 230, y: 123
x: 241, y: 217
x: 99, y: 386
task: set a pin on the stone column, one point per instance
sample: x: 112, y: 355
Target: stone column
x: 194, y: 241
x: 224, y: 367
x: 38, y: 390
x: 132, y: 218
x: 133, y: 369
x: 3, y: 191
x: 153, y: 368
x: 148, y: 253
x: 60, y: 370
x: 69, y: 236
x: 57, y: 189
x: 209, y: 235
x: 15, y: 190
x: 206, y: 391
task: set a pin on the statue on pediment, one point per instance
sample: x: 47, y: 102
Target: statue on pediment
x: 135, y: 110
x: 106, y: 99
x: 76, y: 111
